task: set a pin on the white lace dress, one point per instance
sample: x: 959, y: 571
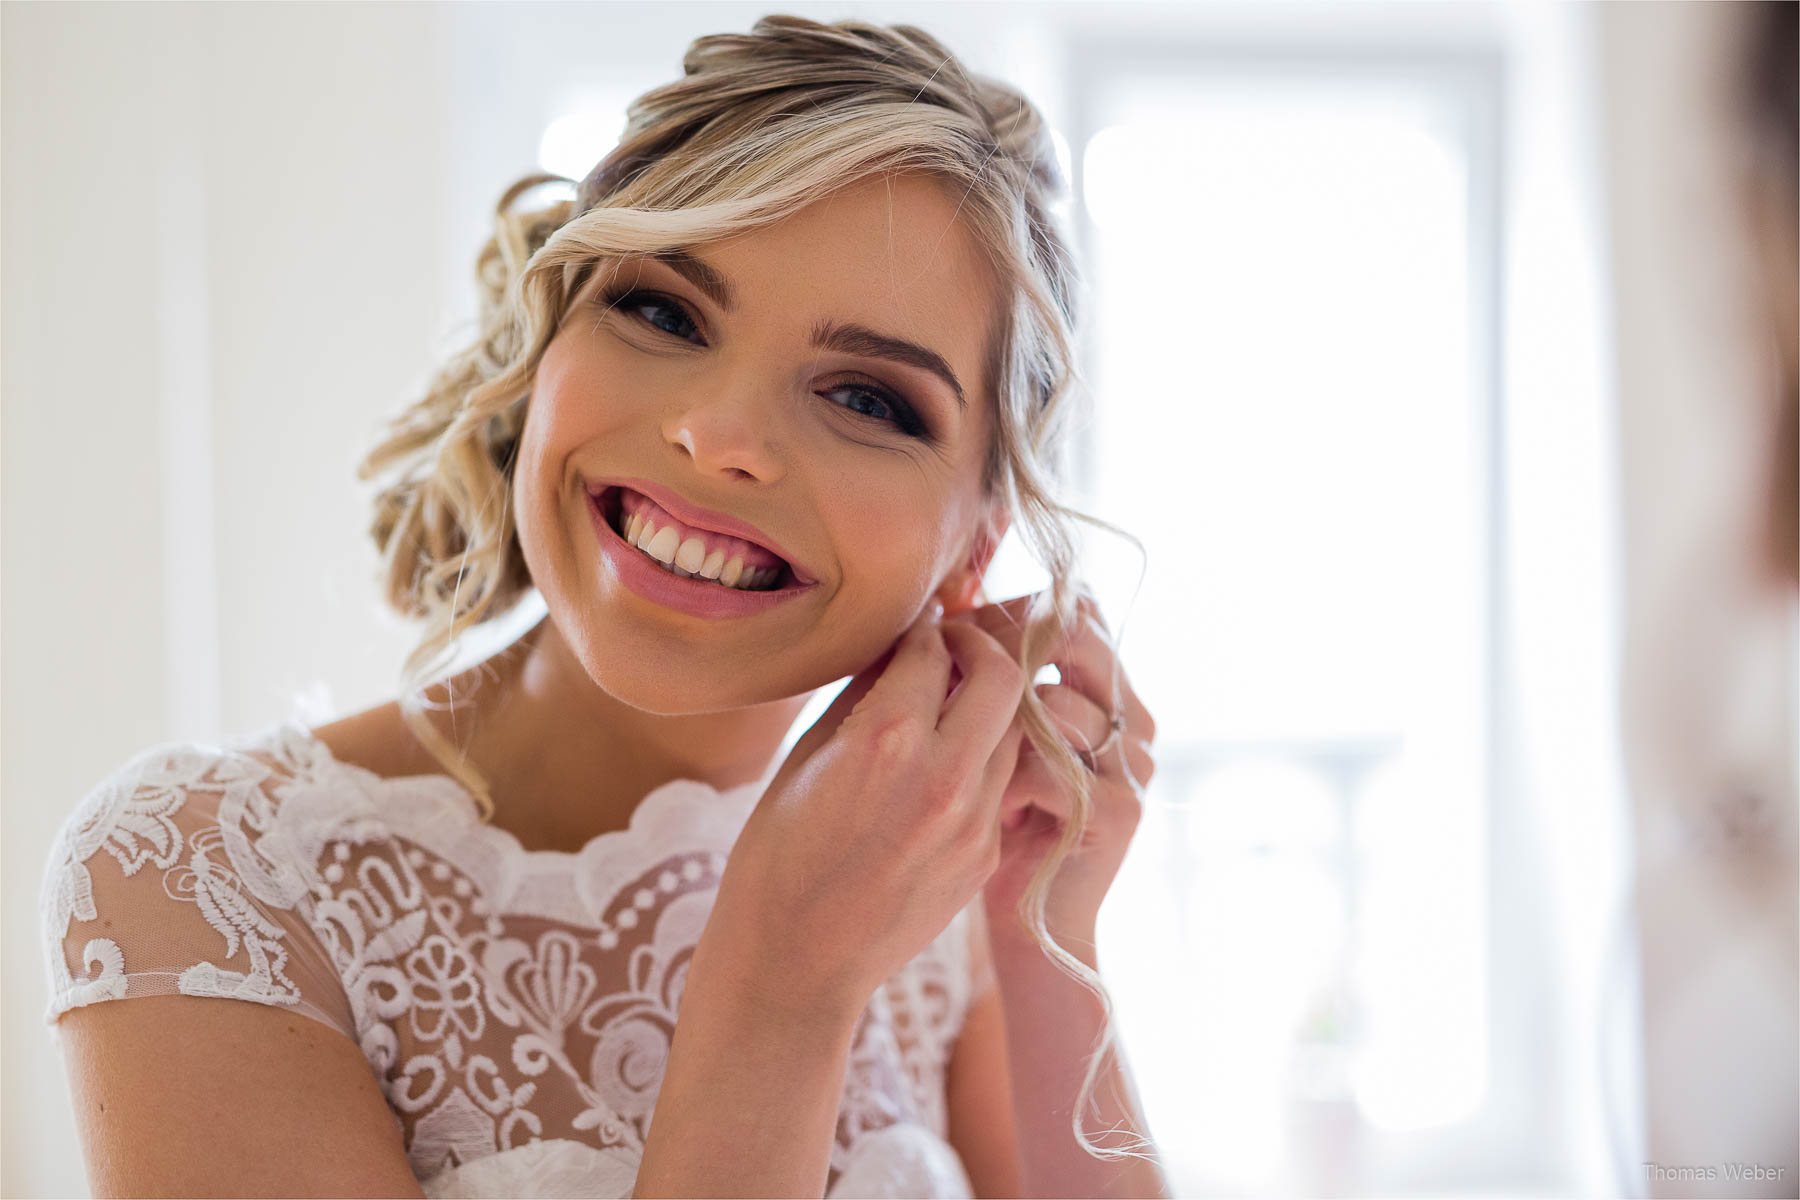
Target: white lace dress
x: 516, y: 1006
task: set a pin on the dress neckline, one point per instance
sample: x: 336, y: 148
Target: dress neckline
x: 436, y: 812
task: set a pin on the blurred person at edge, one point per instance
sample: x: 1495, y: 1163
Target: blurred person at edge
x: 1708, y: 697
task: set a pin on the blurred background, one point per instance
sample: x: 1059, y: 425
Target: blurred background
x: 1442, y: 358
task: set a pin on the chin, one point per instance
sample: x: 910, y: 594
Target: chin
x: 676, y: 684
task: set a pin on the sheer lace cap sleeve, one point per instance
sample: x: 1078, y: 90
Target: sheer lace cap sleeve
x: 161, y: 882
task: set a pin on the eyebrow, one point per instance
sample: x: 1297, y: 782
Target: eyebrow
x: 702, y: 276
x: 865, y: 342
x: 859, y: 340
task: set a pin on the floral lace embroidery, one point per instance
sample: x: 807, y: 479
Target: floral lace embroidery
x: 132, y: 818
x: 503, y: 998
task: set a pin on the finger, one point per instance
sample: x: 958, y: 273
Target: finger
x: 855, y: 692
x: 1085, y: 658
x: 1006, y: 618
x: 1002, y: 764
x: 1090, y: 664
x: 1038, y: 787
x: 1080, y: 721
x: 1005, y: 621
x: 1114, y: 796
x: 988, y: 699
x: 1140, y: 763
x: 918, y: 676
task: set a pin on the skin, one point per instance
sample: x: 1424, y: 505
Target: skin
x: 613, y: 694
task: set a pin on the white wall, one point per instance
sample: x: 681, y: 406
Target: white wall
x: 223, y: 263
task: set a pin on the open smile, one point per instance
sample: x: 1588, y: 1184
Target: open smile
x: 686, y: 567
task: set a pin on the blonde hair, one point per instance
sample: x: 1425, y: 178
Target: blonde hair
x: 760, y: 125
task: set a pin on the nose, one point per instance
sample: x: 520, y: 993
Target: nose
x: 724, y: 433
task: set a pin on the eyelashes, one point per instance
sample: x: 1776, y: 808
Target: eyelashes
x: 634, y: 301
x: 677, y: 322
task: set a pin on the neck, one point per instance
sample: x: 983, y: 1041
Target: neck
x: 565, y: 761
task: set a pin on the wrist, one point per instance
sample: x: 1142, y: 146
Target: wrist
x: 746, y: 973
x: 1007, y: 939
x: 744, y: 982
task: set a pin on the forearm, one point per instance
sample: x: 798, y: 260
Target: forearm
x: 1051, y: 1024
x: 750, y: 1094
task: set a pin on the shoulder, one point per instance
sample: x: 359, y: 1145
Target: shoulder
x: 142, y: 811
x: 172, y: 875
x: 145, y: 811
x: 377, y: 740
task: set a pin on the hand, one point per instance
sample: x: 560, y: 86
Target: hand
x: 881, y: 824
x: 1035, y: 805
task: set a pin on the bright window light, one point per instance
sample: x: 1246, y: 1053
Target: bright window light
x: 575, y: 141
x: 1284, y: 414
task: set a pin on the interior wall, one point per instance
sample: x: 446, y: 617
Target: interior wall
x: 223, y: 265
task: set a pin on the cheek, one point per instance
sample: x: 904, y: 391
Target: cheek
x: 891, y: 532
x: 581, y: 389
x: 530, y: 506
x: 536, y: 477
x: 571, y: 407
x: 563, y: 414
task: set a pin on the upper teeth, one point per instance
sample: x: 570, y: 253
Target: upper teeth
x: 690, y: 558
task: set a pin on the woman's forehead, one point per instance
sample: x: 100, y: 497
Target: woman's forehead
x: 899, y: 238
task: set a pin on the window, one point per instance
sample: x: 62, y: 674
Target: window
x: 1289, y: 357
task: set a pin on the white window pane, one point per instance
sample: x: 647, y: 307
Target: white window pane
x: 1421, y: 961
x: 1285, y: 415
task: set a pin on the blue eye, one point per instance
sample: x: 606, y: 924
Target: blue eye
x: 879, y: 404
x: 670, y: 317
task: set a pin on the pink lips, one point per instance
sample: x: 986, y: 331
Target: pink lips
x: 702, y: 518
x: 697, y: 597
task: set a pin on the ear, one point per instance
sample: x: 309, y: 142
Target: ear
x: 961, y: 589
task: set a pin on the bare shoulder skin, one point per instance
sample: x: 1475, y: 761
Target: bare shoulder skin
x: 198, y: 1096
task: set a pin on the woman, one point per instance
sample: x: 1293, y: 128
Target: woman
x: 752, y: 413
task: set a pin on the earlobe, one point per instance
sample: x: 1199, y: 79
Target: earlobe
x: 962, y: 590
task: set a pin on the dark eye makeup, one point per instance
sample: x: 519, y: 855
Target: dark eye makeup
x: 669, y: 316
